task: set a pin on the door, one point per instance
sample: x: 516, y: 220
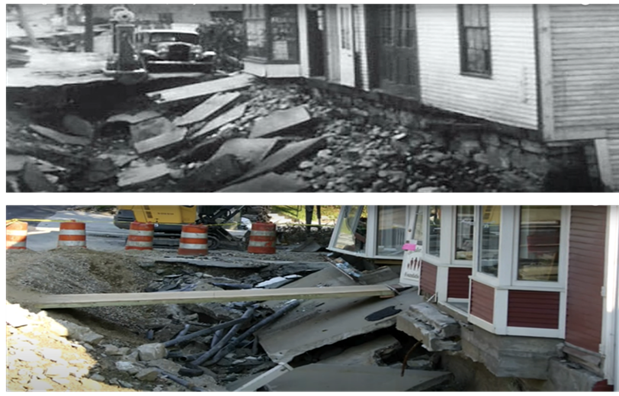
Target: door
x: 410, y: 273
x: 347, y: 52
x: 316, y: 40
x: 398, y: 69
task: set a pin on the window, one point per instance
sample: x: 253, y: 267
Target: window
x: 391, y: 230
x: 490, y: 230
x: 434, y: 231
x: 272, y: 32
x: 475, y: 39
x: 353, y: 230
x: 465, y: 222
x: 345, y: 33
x: 538, y: 249
x: 256, y: 30
x: 418, y: 229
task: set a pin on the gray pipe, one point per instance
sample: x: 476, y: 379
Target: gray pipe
x: 289, y: 306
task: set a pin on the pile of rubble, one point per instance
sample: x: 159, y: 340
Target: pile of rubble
x: 237, y: 134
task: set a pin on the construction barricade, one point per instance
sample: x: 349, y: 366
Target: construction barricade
x: 72, y: 234
x: 16, y: 234
x: 194, y: 240
x: 262, y: 238
x: 140, y: 236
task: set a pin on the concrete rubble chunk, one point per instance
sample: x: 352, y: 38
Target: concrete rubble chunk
x: 445, y: 325
x: 60, y: 137
x: 35, y: 179
x: 285, y: 158
x: 15, y: 163
x: 279, y: 122
x: 320, y: 377
x: 202, y: 151
x: 213, y: 174
x: 435, y: 332
x: 207, y: 108
x: 253, y: 151
x: 150, y: 128
x: 143, y: 173
x: 120, y: 160
x: 147, y: 374
x: 78, y: 126
x: 80, y: 333
x: 129, y: 367
x: 165, y: 364
x: 232, y: 83
x: 224, y: 119
x: 151, y: 352
x: 271, y: 182
x: 134, y: 118
x: 165, y: 141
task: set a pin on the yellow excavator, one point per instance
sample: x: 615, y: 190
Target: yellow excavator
x: 169, y: 219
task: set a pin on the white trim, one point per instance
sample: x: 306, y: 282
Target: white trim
x: 610, y: 347
x: 533, y: 332
x: 303, y: 41
x: 501, y: 308
x: 442, y: 280
x: 507, y: 243
x: 481, y: 323
x: 447, y: 233
x: 372, y: 230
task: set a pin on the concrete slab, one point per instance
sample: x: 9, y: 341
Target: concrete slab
x: 364, y: 354
x: 238, y: 81
x: 279, y: 122
x: 252, y: 151
x: 150, y: 128
x: 213, y: 174
x: 335, y: 378
x: 213, y: 263
x: 78, y: 126
x: 285, y: 158
x: 216, y: 123
x: 207, y: 108
x: 35, y: 180
x: 271, y: 182
x: 202, y: 151
x: 59, y: 137
x: 134, y: 118
x: 322, y: 322
x: 15, y: 163
x: 135, y: 176
x: 120, y: 160
x: 161, y: 143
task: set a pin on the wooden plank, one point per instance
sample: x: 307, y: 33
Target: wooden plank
x: 201, y: 89
x: 226, y: 118
x: 130, y: 299
x: 60, y: 137
x: 207, y: 108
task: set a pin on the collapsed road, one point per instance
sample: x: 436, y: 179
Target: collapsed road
x: 237, y: 133
x: 209, y: 346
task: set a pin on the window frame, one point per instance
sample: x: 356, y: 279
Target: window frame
x: 463, y: 48
x: 560, y: 284
x: 268, y: 48
x: 454, y: 224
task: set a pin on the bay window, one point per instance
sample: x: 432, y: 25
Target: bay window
x: 391, y: 230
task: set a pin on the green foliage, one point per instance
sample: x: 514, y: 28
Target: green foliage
x: 227, y: 38
x: 297, y: 212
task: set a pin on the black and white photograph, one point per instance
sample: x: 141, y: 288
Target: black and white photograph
x: 312, y: 98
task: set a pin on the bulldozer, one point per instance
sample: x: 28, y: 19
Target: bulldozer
x: 168, y: 221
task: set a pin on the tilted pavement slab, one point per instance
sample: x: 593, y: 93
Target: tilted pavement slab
x: 207, y: 108
x: 150, y: 128
x: 136, y: 176
x: 60, y: 137
x: 252, y: 151
x: 317, y: 323
x: 219, y: 121
x: 279, y: 122
x: 202, y: 89
x: 162, y: 142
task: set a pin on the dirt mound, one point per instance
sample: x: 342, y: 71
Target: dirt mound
x: 83, y: 271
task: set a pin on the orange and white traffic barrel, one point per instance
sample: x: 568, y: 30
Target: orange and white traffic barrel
x: 72, y: 234
x: 262, y: 238
x: 16, y: 234
x: 140, y: 236
x: 194, y: 240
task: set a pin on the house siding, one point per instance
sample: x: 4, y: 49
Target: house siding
x: 427, y: 282
x: 586, y: 277
x: 482, y: 301
x: 458, y: 282
x: 585, y: 70
x: 510, y: 95
x: 533, y: 309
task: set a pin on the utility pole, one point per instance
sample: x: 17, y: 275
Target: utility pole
x: 89, y: 32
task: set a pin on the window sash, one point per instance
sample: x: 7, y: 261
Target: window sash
x: 475, y: 39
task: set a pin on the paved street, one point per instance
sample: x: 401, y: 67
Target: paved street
x: 101, y: 233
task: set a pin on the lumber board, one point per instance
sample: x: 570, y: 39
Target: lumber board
x: 128, y: 299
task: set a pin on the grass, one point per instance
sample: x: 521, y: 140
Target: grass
x: 297, y: 212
